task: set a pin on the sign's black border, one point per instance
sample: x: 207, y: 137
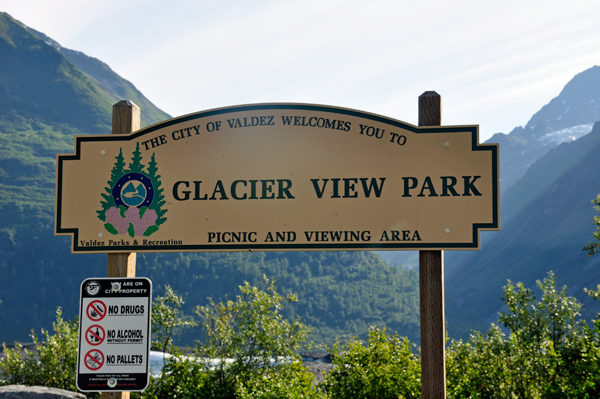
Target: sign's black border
x: 475, y: 146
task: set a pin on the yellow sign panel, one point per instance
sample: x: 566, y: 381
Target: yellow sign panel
x: 278, y: 177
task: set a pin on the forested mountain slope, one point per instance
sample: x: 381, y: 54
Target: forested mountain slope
x: 48, y: 94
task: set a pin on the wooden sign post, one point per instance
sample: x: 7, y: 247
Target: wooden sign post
x: 431, y: 287
x: 125, y: 120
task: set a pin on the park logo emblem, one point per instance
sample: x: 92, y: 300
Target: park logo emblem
x: 92, y: 288
x: 133, y: 200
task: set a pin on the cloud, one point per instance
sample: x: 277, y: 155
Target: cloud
x: 494, y: 63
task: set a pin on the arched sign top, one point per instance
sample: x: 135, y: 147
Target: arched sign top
x: 279, y: 177
x: 257, y: 108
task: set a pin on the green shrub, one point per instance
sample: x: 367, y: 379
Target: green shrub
x: 181, y: 377
x: 249, y: 350
x: 593, y: 246
x: 385, y: 368
x: 550, y: 352
x: 55, y: 363
x: 544, y: 350
x: 167, y: 319
x: 286, y: 382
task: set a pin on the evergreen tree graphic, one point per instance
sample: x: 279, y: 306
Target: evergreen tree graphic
x: 136, y: 161
x: 115, y: 175
x: 159, y: 198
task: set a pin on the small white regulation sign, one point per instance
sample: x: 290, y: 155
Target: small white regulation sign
x: 114, y: 334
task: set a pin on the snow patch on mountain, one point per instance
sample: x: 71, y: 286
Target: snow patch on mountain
x: 567, y: 134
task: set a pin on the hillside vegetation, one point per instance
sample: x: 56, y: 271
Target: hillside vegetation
x: 340, y: 293
x: 49, y: 94
x: 540, y: 348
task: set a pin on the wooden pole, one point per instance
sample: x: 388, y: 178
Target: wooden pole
x: 125, y: 119
x: 431, y: 286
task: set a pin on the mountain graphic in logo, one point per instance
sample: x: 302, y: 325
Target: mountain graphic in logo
x: 133, y: 202
x: 133, y: 189
x: 133, y: 193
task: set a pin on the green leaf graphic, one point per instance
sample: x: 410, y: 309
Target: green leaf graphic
x: 150, y: 230
x: 110, y: 228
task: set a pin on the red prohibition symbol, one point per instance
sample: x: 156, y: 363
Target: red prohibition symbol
x: 94, y: 359
x: 96, y: 310
x: 95, y: 335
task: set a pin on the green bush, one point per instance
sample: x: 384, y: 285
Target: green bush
x: 186, y: 377
x: 286, y: 382
x: 550, y: 352
x: 181, y: 377
x: 167, y: 319
x: 385, y: 368
x: 593, y: 246
x: 54, y: 364
x: 541, y: 349
x: 252, y: 347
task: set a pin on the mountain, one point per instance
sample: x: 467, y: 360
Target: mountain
x: 49, y: 94
x: 549, y: 174
x: 45, y: 100
x: 565, y: 118
x: 547, y: 218
x: 339, y: 293
x: 114, y: 84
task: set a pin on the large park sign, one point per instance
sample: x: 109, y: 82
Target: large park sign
x: 278, y: 177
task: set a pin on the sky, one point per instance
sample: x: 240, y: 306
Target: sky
x: 494, y: 63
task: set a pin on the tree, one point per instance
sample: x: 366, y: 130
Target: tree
x: 136, y: 164
x: 251, y: 332
x: 550, y: 351
x: 249, y: 351
x: 53, y: 364
x: 593, y: 246
x: 290, y: 382
x: 159, y: 198
x: 385, y: 368
x: 480, y: 368
x: 115, y: 175
x: 166, y: 318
